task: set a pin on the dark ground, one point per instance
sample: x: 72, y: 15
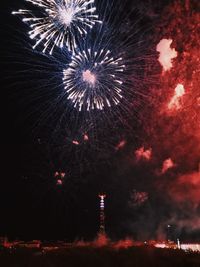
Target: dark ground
x: 96, y: 257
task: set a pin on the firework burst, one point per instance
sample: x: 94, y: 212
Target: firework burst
x: 59, y: 22
x: 94, y: 79
x: 101, y: 84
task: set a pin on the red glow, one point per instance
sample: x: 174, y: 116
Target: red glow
x: 102, y: 240
x: 141, y: 153
x: 187, y: 188
x: 86, y: 137
x: 167, y: 164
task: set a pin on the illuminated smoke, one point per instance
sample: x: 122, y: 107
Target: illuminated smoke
x: 166, y: 54
x: 141, y: 153
x: 75, y: 142
x: 101, y: 240
x: 175, y: 102
x: 124, y: 244
x: 167, y: 164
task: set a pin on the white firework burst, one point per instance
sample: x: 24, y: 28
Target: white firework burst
x: 60, y: 22
x: 94, y: 79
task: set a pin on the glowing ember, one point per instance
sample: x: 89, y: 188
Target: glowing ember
x: 187, y: 188
x: 141, y: 153
x: 166, y: 53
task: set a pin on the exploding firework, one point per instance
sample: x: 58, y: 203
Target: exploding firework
x: 101, y: 83
x: 94, y: 79
x: 59, y: 22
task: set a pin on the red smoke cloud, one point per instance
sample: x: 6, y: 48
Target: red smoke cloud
x: 186, y: 189
x: 75, y: 142
x: 174, y: 127
x: 86, y: 137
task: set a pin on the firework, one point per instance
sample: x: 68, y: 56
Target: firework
x: 94, y: 80
x: 100, y: 83
x: 59, y: 22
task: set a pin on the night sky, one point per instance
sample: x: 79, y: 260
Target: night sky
x: 143, y: 154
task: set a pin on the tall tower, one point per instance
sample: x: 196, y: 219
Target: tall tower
x: 102, y: 214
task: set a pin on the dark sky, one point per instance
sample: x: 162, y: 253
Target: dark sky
x: 37, y: 142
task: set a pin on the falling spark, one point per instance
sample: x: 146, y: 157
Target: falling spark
x: 141, y: 153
